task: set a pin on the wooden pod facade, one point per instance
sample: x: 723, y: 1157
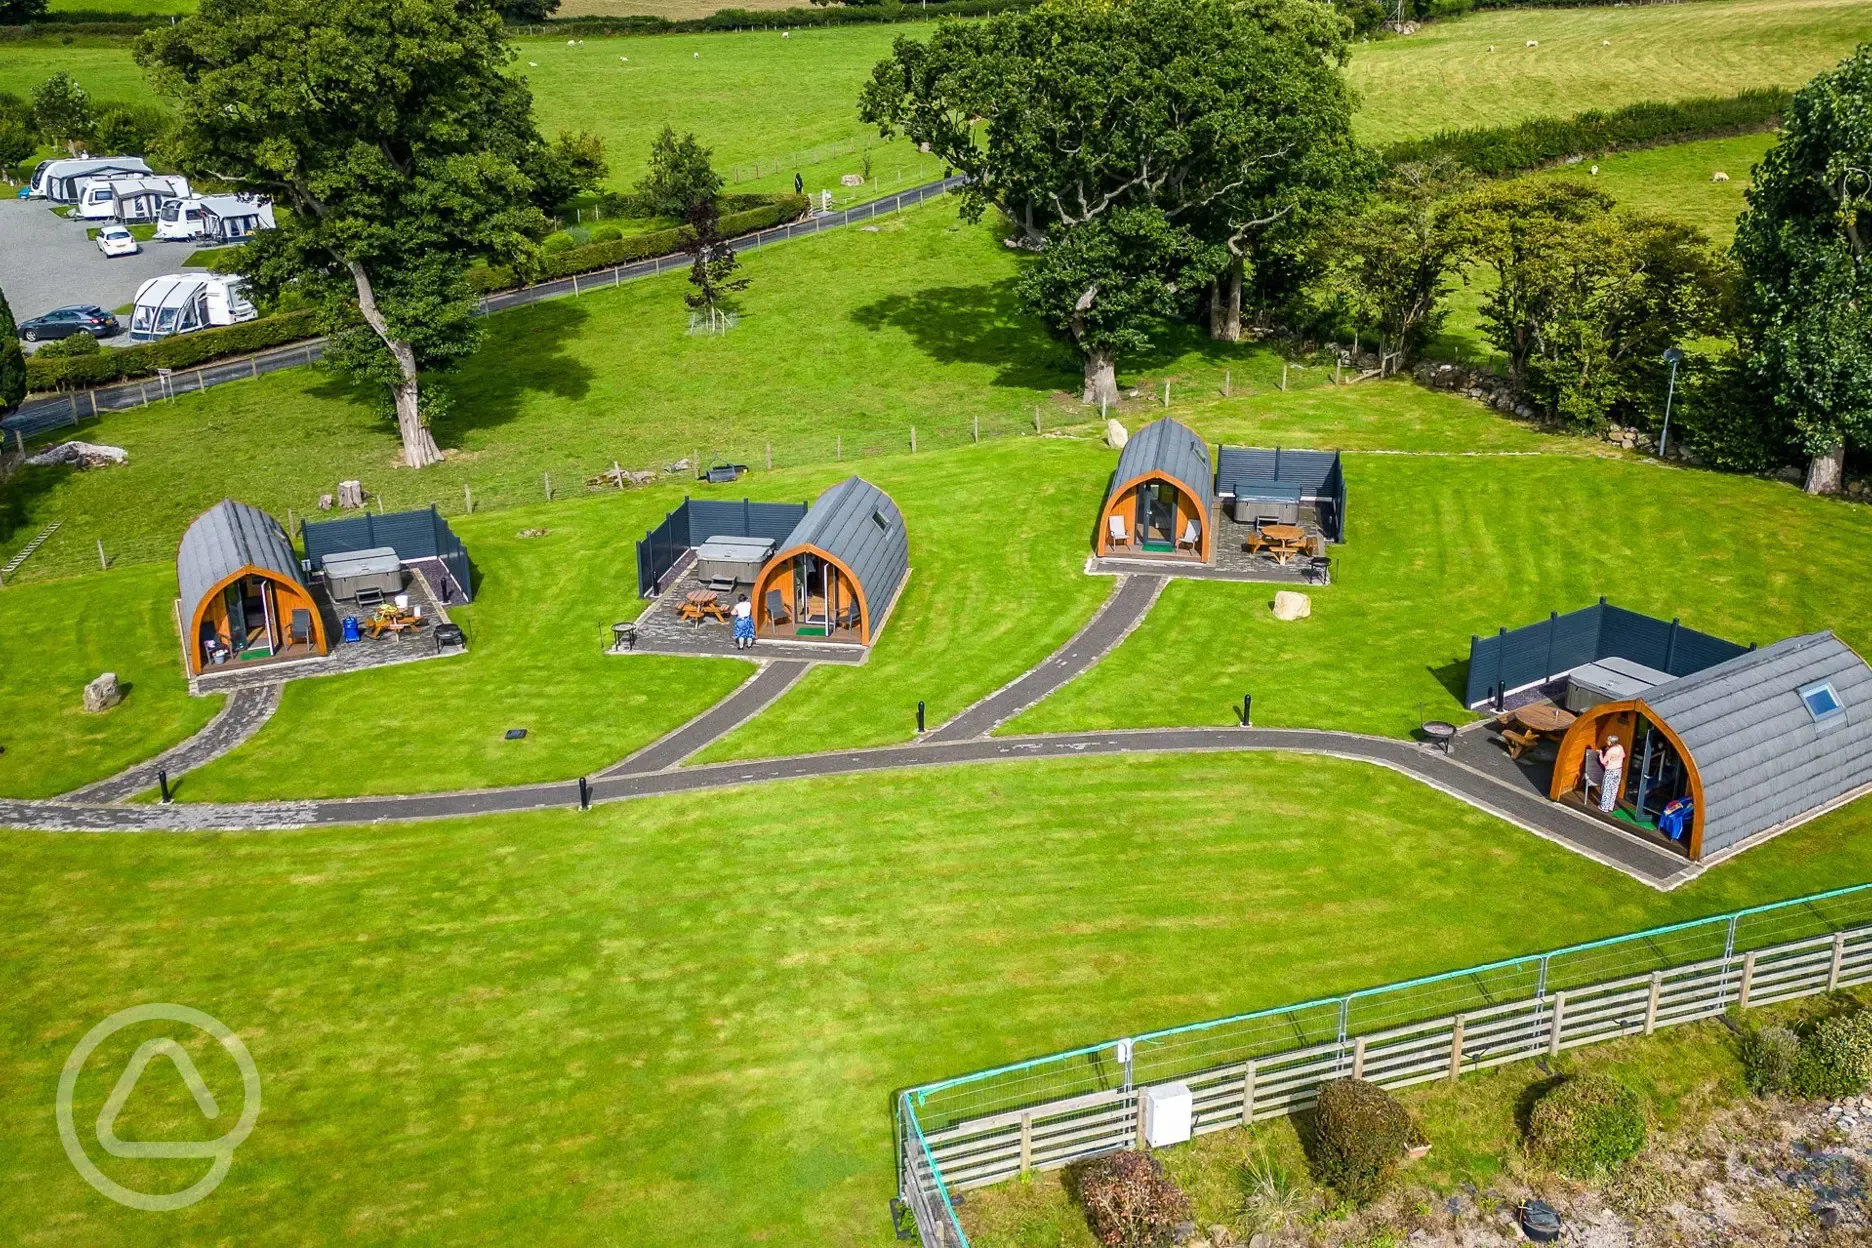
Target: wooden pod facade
x: 1161, y: 494
x: 838, y: 573
x: 1594, y: 730
x: 242, y: 593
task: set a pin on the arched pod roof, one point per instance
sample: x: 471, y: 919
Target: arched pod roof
x: 226, y: 538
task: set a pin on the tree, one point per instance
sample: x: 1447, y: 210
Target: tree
x: 1802, y: 245
x: 712, y: 267
x: 20, y: 12
x: 679, y: 176
x: 1101, y: 284
x: 62, y: 110
x: 16, y: 144
x: 525, y: 12
x: 1391, y: 264
x: 391, y: 133
x: 1515, y: 229
x: 1232, y: 119
x: 573, y: 164
x: 12, y: 360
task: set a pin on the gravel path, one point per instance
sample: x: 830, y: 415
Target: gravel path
x: 1655, y: 867
x: 1122, y: 612
x: 245, y: 711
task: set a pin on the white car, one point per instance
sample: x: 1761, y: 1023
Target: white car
x: 115, y: 240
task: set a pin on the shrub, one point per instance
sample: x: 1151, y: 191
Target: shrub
x: 606, y: 234
x: 1129, y: 1201
x: 70, y: 347
x: 1769, y: 1055
x: 553, y: 244
x: 1835, y: 1057
x: 1587, y: 1126
x: 1363, y: 1132
x: 1495, y: 151
x: 1726, y: 415
x: 182, y: 351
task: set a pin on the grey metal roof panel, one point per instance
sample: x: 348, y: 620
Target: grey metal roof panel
x: 1763, y: 758
x: 858, y: 524
x: 226, y: 538
x: 1310, y: 470
x: 1174, y: 449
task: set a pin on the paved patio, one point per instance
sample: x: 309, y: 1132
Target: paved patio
x: 662, y: 630
x: 1231, y: 561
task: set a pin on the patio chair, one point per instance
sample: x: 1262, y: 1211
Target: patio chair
x: 1119, y: 531
x: 848, y: 618
x: 777, y: 612
x: 301, y: 627
x: 1189, y: 536
x: 1593, y: 777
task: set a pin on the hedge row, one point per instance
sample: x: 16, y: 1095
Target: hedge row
x: 594, y: 256
x: 1497, y: 151
x: 182, y: 351
x: 779, y: 19
x: 113, y: 24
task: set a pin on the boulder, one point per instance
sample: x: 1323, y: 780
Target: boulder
x: 102, y: 693
x: 1115, y: 435
x: 1291, y: 605
x: 80, y: 455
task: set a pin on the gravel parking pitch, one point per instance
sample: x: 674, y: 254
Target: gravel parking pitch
x: 47, y: 262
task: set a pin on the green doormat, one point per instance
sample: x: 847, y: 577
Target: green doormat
x: 1159, y: 546
x: 810, y: 630
x: 257, y: 652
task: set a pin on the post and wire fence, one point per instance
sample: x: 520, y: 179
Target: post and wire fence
x: 982, y: 1128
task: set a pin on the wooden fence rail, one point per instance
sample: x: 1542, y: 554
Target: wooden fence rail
x: 1055, y: 1133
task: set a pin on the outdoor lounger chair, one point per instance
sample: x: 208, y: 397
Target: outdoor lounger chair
x: 301, y: 627
x: 1189, y: 536
x: 776, y: 609
x: 1120, y: 535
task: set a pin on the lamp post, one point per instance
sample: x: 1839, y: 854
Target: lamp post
x: 1672, y: 357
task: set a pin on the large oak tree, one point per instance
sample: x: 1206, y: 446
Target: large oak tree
x: 1232, y: 119
x: 398, y: 146
x: 1805, y: 246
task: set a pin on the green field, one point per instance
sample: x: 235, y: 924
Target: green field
x: 754, y: 96
x: 680, y: 1021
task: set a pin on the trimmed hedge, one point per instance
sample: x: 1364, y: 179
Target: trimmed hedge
x: 1497, y: 151
x: 1589, y: 1125
x: 181, y: 351
x: 1363, y: 1133
x: 779, y: 19
x: 592, y: 257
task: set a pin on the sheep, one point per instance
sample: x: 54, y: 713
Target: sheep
x: 1491, y: 47
x: 1719, y: 176
x: 1605, y: 43
x: 1594, y: 171
x: 1533, y: 43
x: 532, y: 64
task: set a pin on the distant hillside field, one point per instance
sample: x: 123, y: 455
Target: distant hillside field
x: 755, y: 96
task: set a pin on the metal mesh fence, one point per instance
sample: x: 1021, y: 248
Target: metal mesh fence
x: 1179, y: 1053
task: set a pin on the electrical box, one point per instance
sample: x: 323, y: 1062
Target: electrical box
x: 1167, y: 1113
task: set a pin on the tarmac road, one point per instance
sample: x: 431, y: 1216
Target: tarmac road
x: 47, y: 262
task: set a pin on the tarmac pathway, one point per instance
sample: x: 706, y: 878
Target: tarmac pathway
x: 1523, y: 808
x: 1122, y: 612
x: 753, y: 697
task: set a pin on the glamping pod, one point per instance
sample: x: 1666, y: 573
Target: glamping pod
x: 1158, y: 505
x: 1731, y: 754
x: 838, y: 573
x: 243, y: 595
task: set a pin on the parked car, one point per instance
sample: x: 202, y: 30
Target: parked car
x: 64, y: 322
x: 115, y: 240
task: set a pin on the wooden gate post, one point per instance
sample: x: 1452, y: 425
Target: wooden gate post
x: 1748, y: 979
x: 1248, y: 1082
x: 1559, y: 1021
x: 1455, y: 1049
x: 1650, y: 1009
x: 1026, y: 1142
x: 1358, y: 1058
x: 1839, y: 956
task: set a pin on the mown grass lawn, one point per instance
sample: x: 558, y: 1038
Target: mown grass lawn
x: 1442, y: 548
x: 680, y: 1021
x: 1446, y: 76
x: 60, y: 635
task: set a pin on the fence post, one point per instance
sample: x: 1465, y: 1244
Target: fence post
x: 1455, y: 1048
x: 1228, y: 378
x: 1650, y: 1009
x: 94, y: 411
x: 1722, y: 992
x: 1559, y: 1021
x: 913, y: 438
x: 1036, y: 418
x: 1166, y: 394
x: 976, y: 436
x: 253, y: 366
x: 838, y: 446
x: 1553, y: 626
x: 769, y: 457
x: 201, y: 382
x: 1501, y: 649
x: 1248, y: 1080
x: 547, y: 478
x: 467, y: 498
x: 1026, y: 1142
x: 73, y: 396
x: 143, y: 388
x: 102, y: 563
x: 1748, y: 979
x: 1283, y: 374
x: 1358, y: 1058
x: 1839, y: 956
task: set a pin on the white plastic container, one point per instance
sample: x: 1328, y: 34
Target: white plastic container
x: 1168, y: 1114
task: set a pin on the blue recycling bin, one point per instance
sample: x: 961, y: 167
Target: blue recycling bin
x: 353, y: 631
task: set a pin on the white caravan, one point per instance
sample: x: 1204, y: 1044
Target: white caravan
x: 58, y: 180
x: 181, y: 302
x: 128, y: 198
x: 215, y: 218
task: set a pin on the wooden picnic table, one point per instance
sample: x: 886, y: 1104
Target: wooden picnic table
x: 1287, y: 541
x: 390, y: 620
x: 701, y: 603
x: 1544, y: 718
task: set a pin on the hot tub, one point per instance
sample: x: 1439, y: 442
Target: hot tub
x: 736, y: 559
x: 377, y: 568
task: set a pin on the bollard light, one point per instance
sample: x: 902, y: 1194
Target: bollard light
x: 919, y: 714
